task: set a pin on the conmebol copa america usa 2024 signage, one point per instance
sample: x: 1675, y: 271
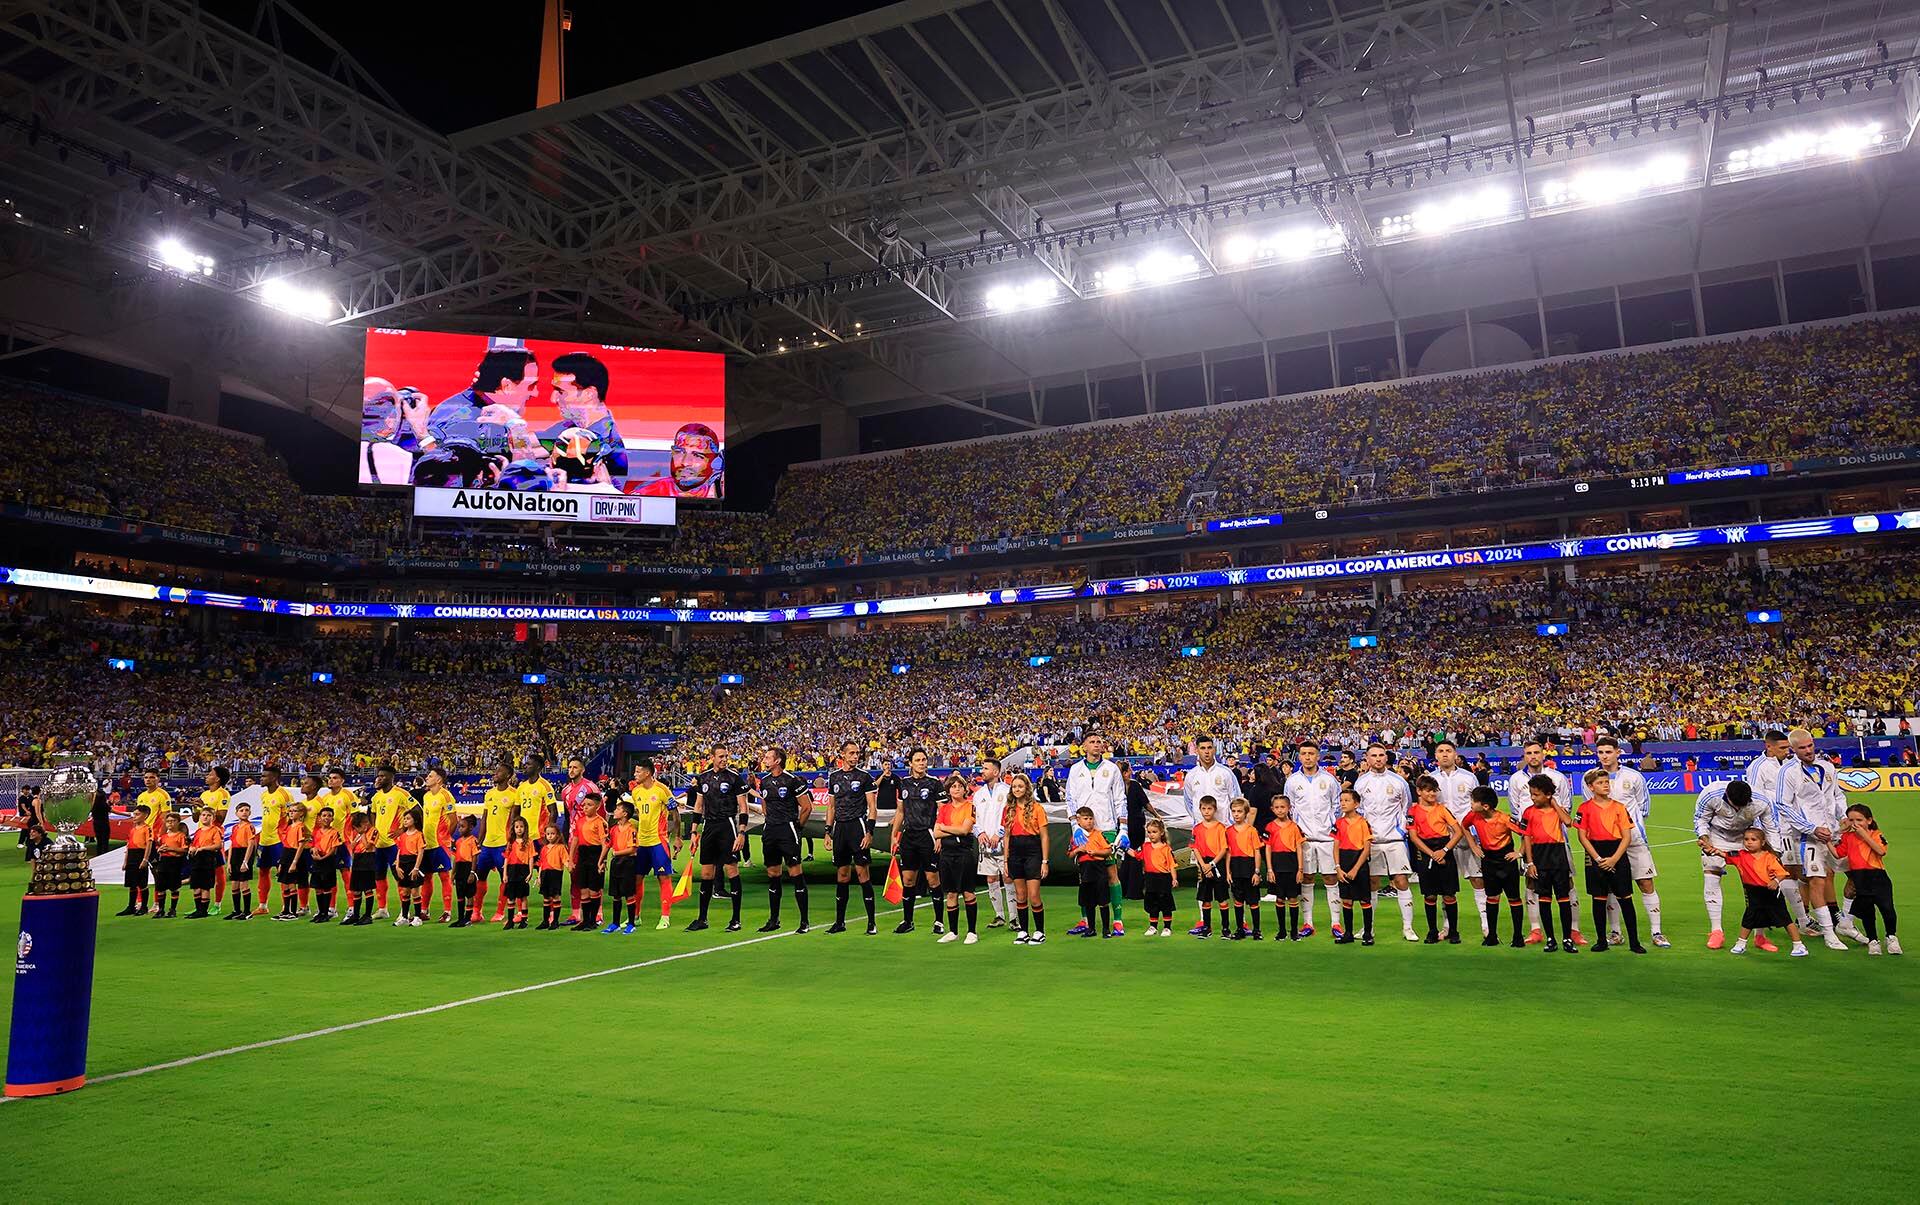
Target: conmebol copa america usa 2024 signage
x: 1854, y: 527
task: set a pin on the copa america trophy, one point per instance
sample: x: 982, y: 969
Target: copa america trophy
x: 53, y: 966
x: 66, y: 803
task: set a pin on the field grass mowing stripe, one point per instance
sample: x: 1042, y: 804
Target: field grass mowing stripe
x: 431, y: 1009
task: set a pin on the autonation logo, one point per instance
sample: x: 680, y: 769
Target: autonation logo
x: 498, y: 504
x: 555, y: 505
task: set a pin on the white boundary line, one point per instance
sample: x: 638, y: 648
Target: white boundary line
x: 428, y: 1011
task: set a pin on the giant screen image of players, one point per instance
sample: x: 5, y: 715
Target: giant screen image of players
x: 493, y: 412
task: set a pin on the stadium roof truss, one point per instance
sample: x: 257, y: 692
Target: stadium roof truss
x: 907, y: 205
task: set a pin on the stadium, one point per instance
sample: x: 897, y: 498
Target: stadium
x: 1405, y: 490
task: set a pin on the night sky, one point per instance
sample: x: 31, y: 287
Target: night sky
x: 455, y: 65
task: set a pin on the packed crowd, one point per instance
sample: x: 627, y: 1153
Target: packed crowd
x: 1805, y: 393
x: 1665, y: 655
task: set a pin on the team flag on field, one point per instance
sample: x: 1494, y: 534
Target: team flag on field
x: 895, y: 892
x: 683, y: 886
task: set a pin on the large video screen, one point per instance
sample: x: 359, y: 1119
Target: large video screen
x: 489, y: 412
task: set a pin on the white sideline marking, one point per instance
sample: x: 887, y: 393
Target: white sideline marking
x: 425, y: 1012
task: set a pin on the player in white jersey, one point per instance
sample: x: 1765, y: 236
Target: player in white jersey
x: 1630, y: 791
x: 1209, y: 776
x: 1384, y: 800
x: 1810, y: 810
x: 1456, y: 795
x: 1763, y: 775
x: 1098, y: 784
x: 989, y: 829
x: 1533, y: 760
x: 1313, y: 797
x: 1721, y: 816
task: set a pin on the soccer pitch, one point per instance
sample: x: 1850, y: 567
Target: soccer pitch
x: 489, y: 1064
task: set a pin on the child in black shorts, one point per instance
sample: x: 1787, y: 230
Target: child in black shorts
x: 1435, y: 834
x: 293, y: 863
x: 1281, y: 856
x: 1492, y: 837
x: 1353, y: 843
x: 320, y: 865
x: 1864, y: 849
x: 1761, y: 874
x: 1243, y: 870
x: 1210, y: 859
x: 410, y: 849
x: 520, y: 870
x: 169, y: 868
x: 1157, y: 879
x: 139, y: 841
x: 365, y: 872
x: 1543, y: 842
x: 466, y: 847
x: 204, y: 860
x: 1090, y: 850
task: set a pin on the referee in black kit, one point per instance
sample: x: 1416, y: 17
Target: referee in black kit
x: 852, y: 808
x: 721, y: 803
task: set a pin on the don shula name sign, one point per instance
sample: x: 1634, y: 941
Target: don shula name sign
x: 550, y: 506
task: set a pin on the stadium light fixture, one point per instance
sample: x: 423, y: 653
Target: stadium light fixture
x: 1492, y: 203
x: 171, y: 253
x: 311, y: 304
x: 1156, y: 267
x: 1608, y: 185
x: 1292, y: 243
x: 1799, y: 146
x: 1005, y: 299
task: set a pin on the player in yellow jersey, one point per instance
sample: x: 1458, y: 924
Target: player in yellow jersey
x: 652, y: 805
x: 536, y: 794
x: 436, y: 809
x: 497, y: 810
x: 158, y: 803
x: 389, y: 800
x: 274, y: 799
x: 344, y: 802
x: 217, y: 797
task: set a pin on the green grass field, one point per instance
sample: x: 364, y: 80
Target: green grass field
x: 847, y: 1067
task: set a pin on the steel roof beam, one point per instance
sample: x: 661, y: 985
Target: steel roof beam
x: 1712, y: 87
x: 762, y: 273
x: 929, y: 284
x: 1038, y: 130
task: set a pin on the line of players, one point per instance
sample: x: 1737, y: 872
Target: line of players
x: 327, y: 841
x: 951, y: 837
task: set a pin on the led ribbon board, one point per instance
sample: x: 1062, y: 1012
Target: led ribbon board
x: 1859, y: 526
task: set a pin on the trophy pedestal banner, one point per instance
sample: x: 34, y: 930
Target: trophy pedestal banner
x: 52, y: 994
x: 53, y: 960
